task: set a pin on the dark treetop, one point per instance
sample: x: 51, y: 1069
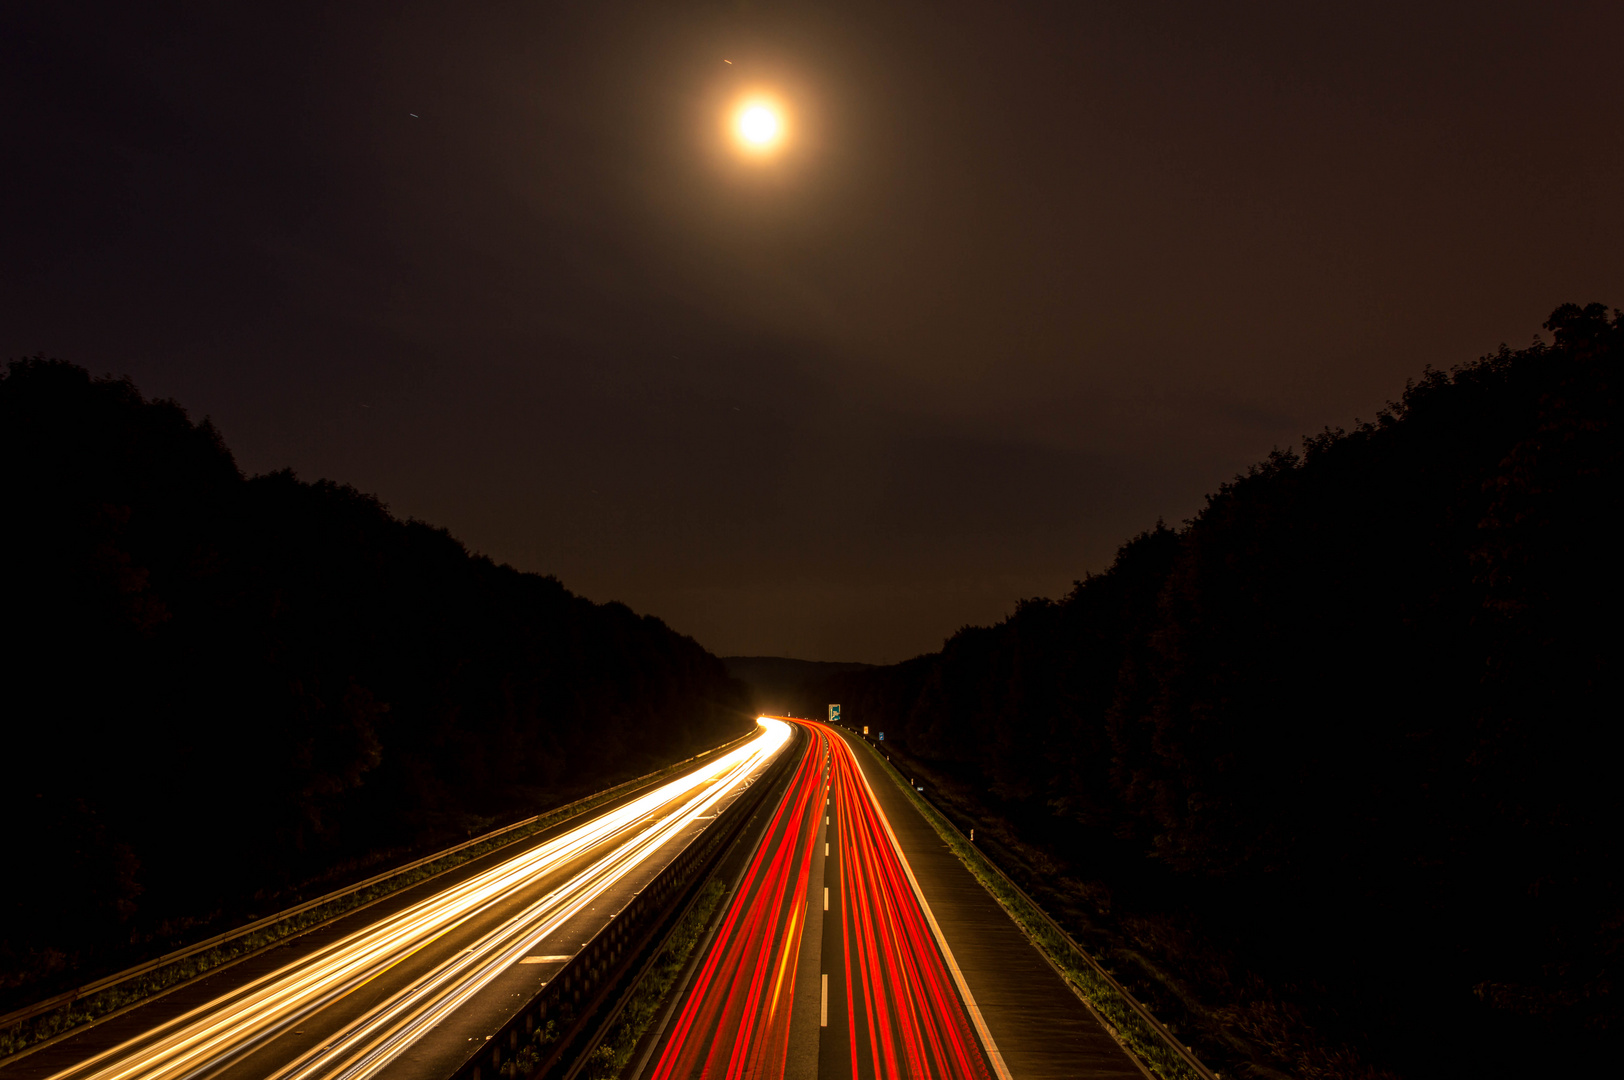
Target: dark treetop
x: 1330, y: 767
x: 217, y: 687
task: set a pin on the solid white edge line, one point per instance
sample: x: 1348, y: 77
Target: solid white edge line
x: 994, y: 1055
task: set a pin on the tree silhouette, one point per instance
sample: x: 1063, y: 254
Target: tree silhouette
x: 217, y: 688
x: 1360, y: 707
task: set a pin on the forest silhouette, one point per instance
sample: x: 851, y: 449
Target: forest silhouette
x: 1326, y: 773
x: 223, y: 693
x: 1329, y: 771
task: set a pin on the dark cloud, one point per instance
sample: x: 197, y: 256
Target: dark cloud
x: 1028, y: 277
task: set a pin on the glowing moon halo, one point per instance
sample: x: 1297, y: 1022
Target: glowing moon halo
x: 758, y: 126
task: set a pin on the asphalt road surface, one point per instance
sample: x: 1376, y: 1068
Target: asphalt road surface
x: 856, y: 946
x: 408, y: 987
x: 889, y: 1002
x: 736, y: 1018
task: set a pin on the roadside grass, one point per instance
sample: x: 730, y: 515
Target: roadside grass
x: 1120, y: 1019
x: 527, y: 1059
x: 612, y: 1054
x: 37, y: 1029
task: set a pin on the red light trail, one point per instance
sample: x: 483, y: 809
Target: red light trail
x: 906, y: 1018
x: 735, y: 1022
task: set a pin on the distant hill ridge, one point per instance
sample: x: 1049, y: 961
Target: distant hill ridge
x: 780, y: 684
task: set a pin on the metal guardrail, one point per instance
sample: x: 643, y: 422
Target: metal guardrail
x: 1161, y: 1029
x: 614, y: 958
x: 68, y: 997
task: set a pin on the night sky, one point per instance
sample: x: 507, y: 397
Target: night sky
x: 1021, y: 279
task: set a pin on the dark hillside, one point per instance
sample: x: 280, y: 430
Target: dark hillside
x: 778, y: 683
x: 1326, y: 771
x: 217, y: 688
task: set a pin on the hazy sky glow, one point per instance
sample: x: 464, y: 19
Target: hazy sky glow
x: 1016, y: 280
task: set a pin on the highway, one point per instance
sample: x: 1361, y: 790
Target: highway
x: 891, y: 1002
x: 408, y: 989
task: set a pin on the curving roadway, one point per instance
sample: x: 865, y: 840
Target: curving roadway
x: 408, y: 988
x: 891, y: 1002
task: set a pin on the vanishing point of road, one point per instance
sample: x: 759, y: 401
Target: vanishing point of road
x: 852, y: 944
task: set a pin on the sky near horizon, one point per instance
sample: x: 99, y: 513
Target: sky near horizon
x: 1018, y: 280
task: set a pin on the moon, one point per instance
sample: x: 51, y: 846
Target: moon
x: 758, y: 126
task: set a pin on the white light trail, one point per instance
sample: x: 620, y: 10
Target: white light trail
x: 238, y: 1022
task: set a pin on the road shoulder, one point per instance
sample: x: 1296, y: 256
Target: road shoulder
x: 1040, y: 1025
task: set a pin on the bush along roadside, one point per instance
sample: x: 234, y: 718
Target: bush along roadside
x: 33, y: 1031
x: 611, y: 1055
x: 1115, y: 1009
